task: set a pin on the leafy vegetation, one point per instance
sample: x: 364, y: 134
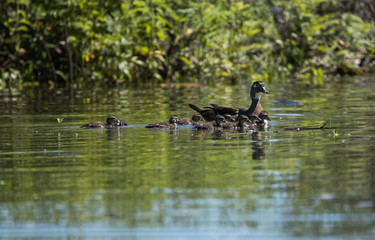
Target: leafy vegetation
x: 140, y: 42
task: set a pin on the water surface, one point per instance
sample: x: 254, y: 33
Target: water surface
x: 138, y: 183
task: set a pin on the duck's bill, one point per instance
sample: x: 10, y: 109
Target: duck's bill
x: 264, y: 90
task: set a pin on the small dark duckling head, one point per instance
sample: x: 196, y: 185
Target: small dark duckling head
x: 112, y: 120
x: 197, y: 118
x: 173, y: 119
x: 243, y: 118
x: 253, y: 118
x: 263, y: 115
x: 257, y: 88
x: 229, y: 118
x: 219, y: 119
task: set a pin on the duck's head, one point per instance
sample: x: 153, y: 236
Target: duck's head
x: 229, y: 118
x: 173, y: 119
x: 196, y: 118
x: 254, y: 118
x: 219, y: 119
x: 256, y: 89
x: 263, y: 115
x: 243, y: 118
x: 112, y: 120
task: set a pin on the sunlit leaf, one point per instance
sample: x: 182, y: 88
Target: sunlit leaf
x: 185, y: 60
x: 161, y: 35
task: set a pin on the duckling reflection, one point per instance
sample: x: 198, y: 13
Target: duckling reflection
x: 114, y: 134
x: 213, y: 134
x: 259, y: 146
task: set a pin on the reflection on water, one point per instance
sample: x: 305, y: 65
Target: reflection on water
x: 141, y: 183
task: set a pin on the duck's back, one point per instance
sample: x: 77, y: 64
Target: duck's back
x: 94, y: 125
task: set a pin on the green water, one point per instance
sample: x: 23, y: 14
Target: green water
x: 138, y: 183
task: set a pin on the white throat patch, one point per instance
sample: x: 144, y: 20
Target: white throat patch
x: 257, y: 96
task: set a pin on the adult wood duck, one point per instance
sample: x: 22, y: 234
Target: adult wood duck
x: 257, y: 88
x: 112, y: 121
x: 186, y: 121
x: 219, y: 120
x: 207, y: 113
x: 256, y: 91
x: 171, y: 124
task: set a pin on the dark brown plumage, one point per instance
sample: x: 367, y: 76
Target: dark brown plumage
x: 257, y: 88
x: 207, y: 113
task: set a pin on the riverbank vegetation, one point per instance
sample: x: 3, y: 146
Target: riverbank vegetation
x: 106, y: 42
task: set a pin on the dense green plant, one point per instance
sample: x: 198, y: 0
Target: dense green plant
x: 109, y: 42
x: 328, y: 42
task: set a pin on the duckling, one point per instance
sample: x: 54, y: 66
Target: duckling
x: 263, y: 122
x: 171, y: 124
x: 229, y: 118
x: 236, y: 124
x: 112, y: 121
x: 242, y: 120
x: 252, y: 119
x: 231, y: 122
x: 122, y: 123
x: 186, y: 121
x: 213, y: 124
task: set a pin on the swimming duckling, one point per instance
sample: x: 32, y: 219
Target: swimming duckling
x: 231, y: 122
x: 264, y: 118
x: 242, y: 120
x: 219, y: 119
x: 121, y: 123
x: 229, y: 118
x: 112, y: 121
x: 171, y: 124
x: 186, y: 121
x: 262, y: 124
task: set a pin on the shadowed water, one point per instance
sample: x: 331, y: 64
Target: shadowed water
x: 138, y: 183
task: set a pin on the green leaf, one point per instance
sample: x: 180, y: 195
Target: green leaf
x: 185, y: 60
x: 161, y: 35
